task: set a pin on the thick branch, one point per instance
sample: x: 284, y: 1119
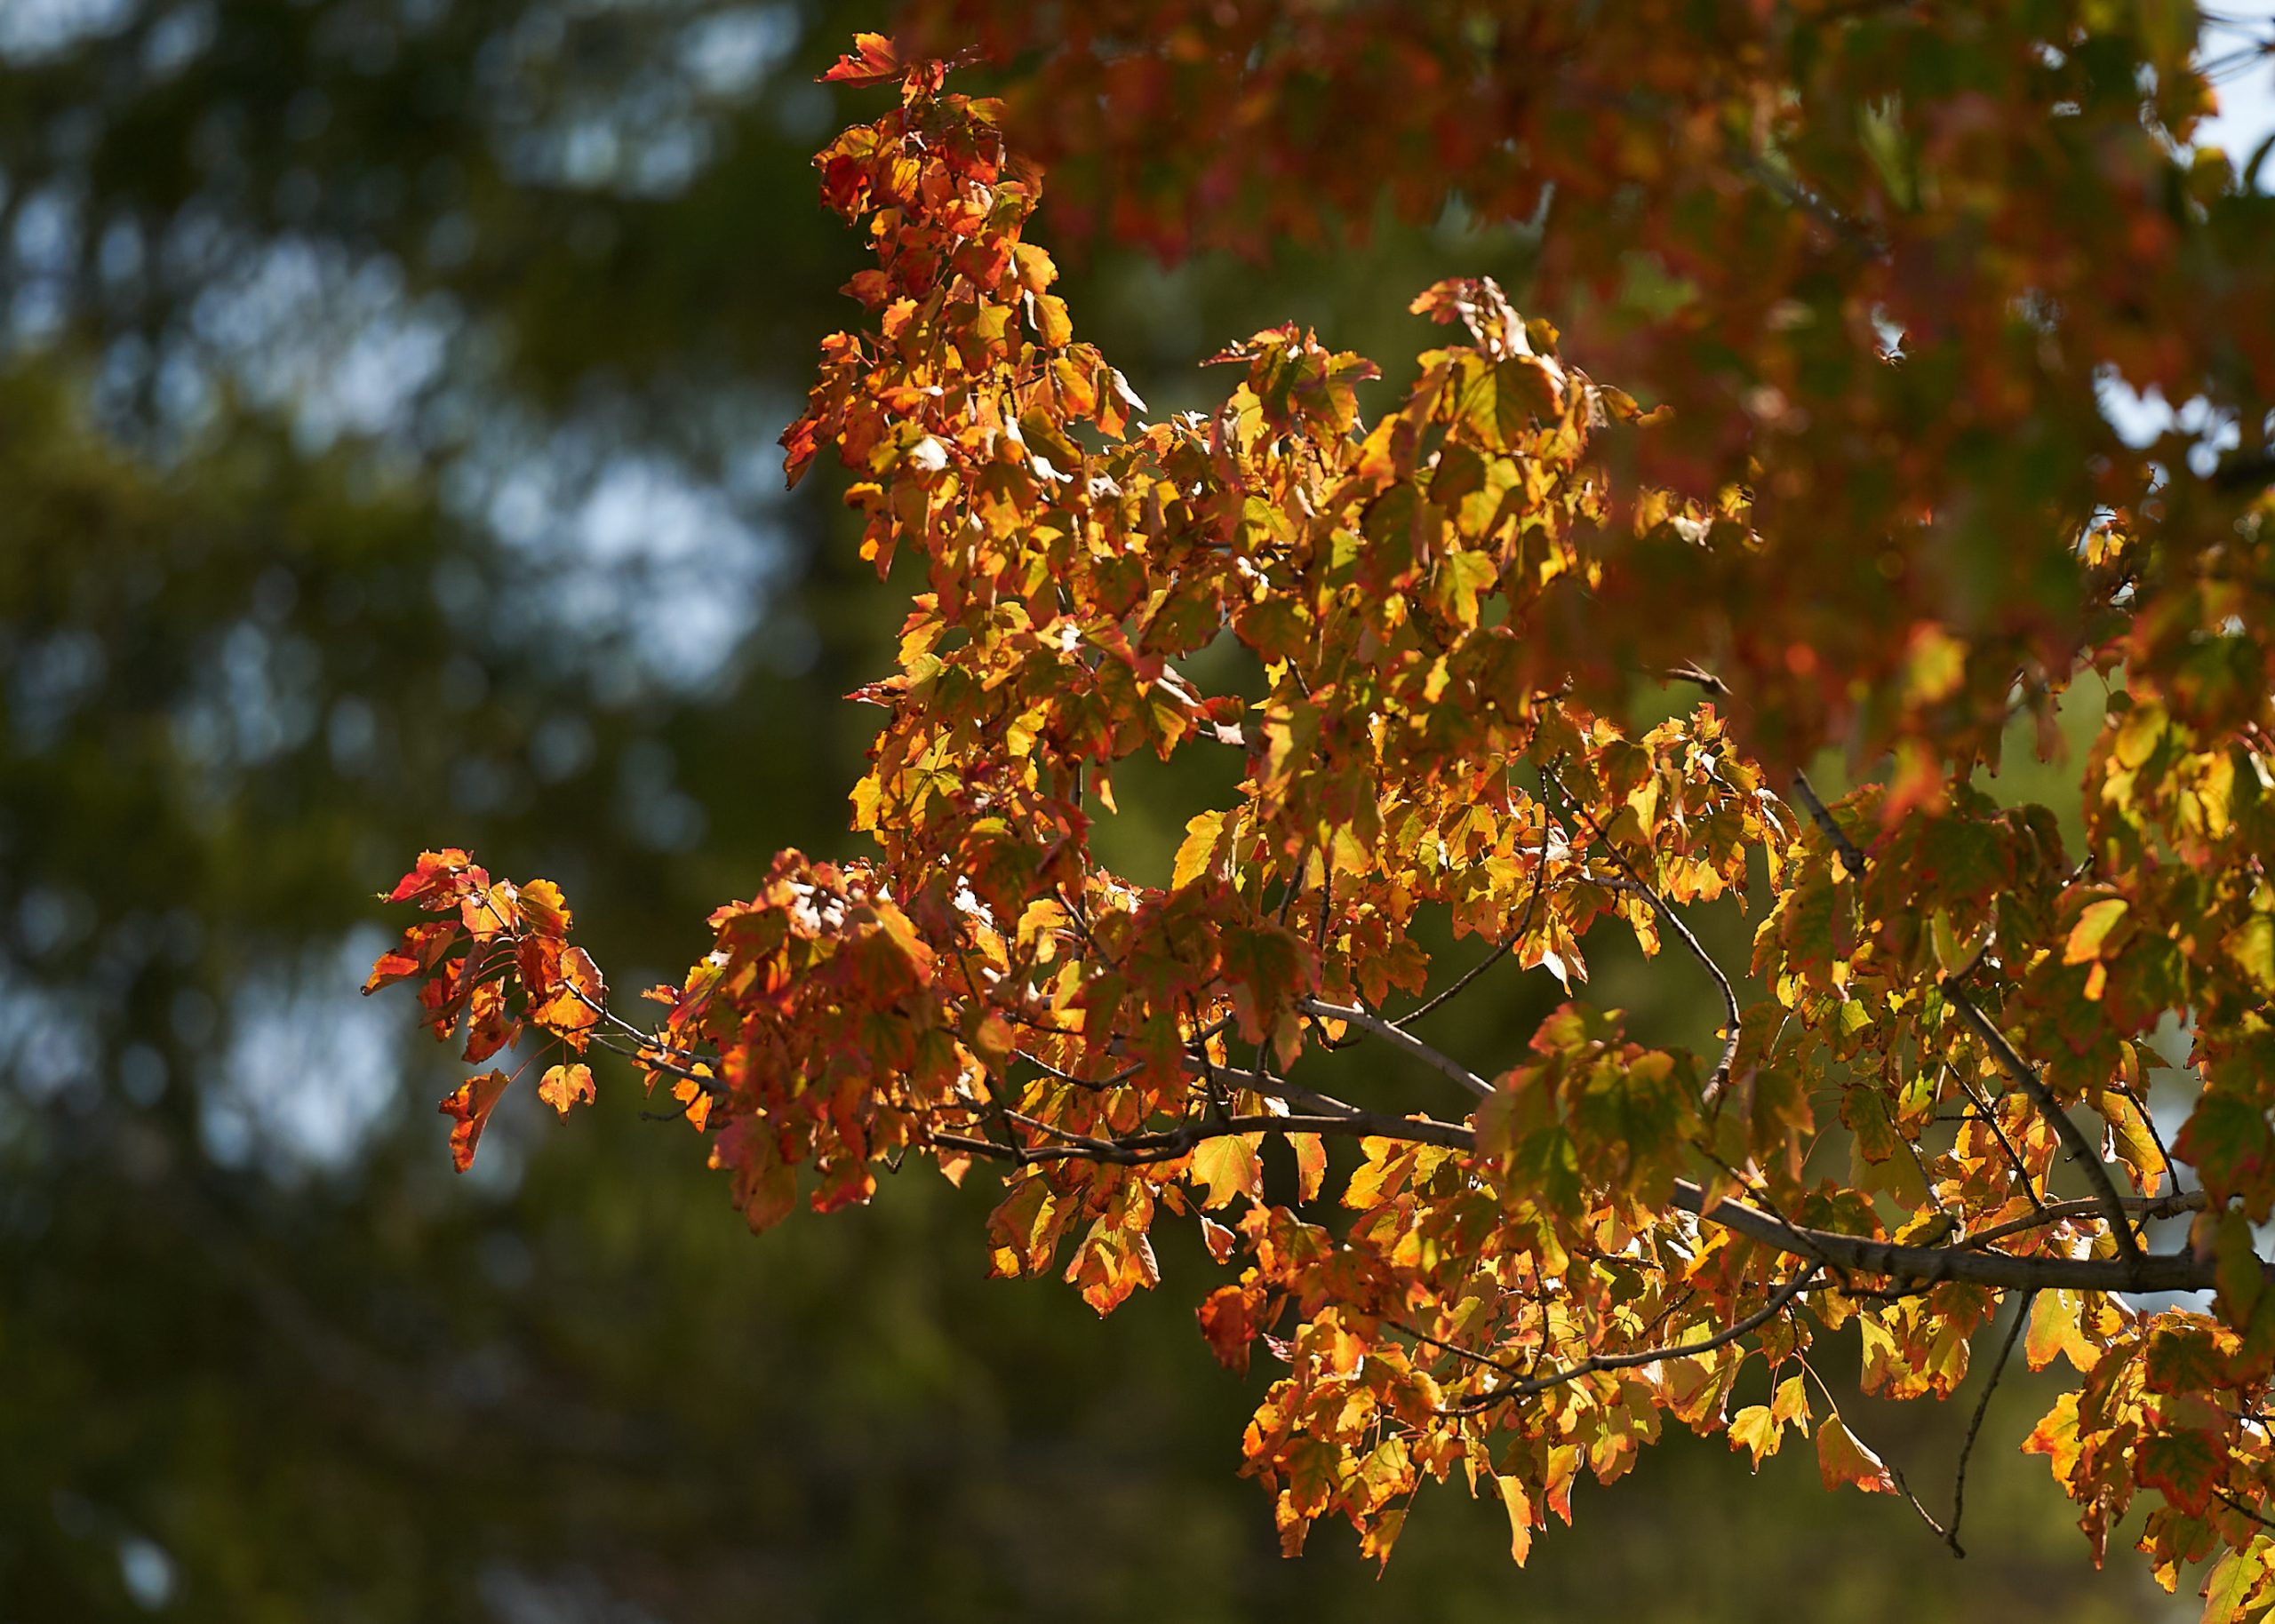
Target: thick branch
x: 2160, y: 1272
x: 1858, y: 1254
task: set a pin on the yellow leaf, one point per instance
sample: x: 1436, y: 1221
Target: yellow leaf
x: 1935, y: 667
x: 1202, y: 834
x: 1520, y: 1518
x: 1841, y: 1458
x: 1229, y: 1166
x: 1755, y: 1430
x: 564, y: 1086
x: 2092, y: 929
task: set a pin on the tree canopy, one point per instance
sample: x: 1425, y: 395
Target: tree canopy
x: 1543, y: 649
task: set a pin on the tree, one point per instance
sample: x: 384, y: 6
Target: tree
x: 1871, y: 268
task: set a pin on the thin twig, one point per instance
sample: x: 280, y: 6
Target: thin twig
x: 1776, y: 1304
x: 2074, y: 1138
x: 1895, y: 1472
x: 1720, y: 1075
x: 1975, y: 1423
x: 1399, y: 1037
x: 1500, y: 951
x: 2235, y: 1505
x: 1987, y: 1113
x: 1523, y: 930
x: 2141, y: 1207
x: 2023, y: 1074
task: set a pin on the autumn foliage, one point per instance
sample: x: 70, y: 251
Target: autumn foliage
x: 1873, y: 506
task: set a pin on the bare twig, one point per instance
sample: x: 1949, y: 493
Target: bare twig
x: 1895, y: 1472
x: 1462, y: 983
x: 1399, y: 1037
x: 1975, y: 1423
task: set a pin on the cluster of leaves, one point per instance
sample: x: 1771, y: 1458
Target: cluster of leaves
x: 1431, y: 621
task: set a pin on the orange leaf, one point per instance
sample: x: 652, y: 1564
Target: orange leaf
x: 1518, y: 1505
x: 873, y: 61
x: 2092, y: 929
x: 543, y: 907
x: 431, y: 879
x: 575, y: 1000
x: 564, y: 1085
x: 470, y: 1107
x: 1841, y: 1458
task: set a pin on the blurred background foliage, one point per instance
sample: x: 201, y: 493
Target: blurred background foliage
x: 388, y: 400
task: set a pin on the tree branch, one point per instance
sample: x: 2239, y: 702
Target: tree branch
x: 2024, y: 1075
x: 1720, y: 1075
x: 1399, y: 1037
x: 2139, y: 1208
x: 1769, y: 1310
x: 2177, y: 1271
x: 1974, y: 1424
x: 2073, y: 1137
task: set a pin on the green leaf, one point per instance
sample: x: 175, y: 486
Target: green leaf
x: 2252, y: 946
x: 2235, y: 1580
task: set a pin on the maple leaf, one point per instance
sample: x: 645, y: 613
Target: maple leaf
x: 1841, y: 1458
x: 1229, y: 1323
x: 873, y: 61
x: 1229, y: 1166
x: 1756, y: 1431
x: 1442, y: 617
x: 564, y: 1085
x: 574, y: 1002
x: 469, y: 1107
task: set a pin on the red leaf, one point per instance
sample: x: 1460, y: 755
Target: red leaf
x: 873, y: 61
x: 470, y: 1107
x: 1229, y: 1321
x: 2187, y: 1466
